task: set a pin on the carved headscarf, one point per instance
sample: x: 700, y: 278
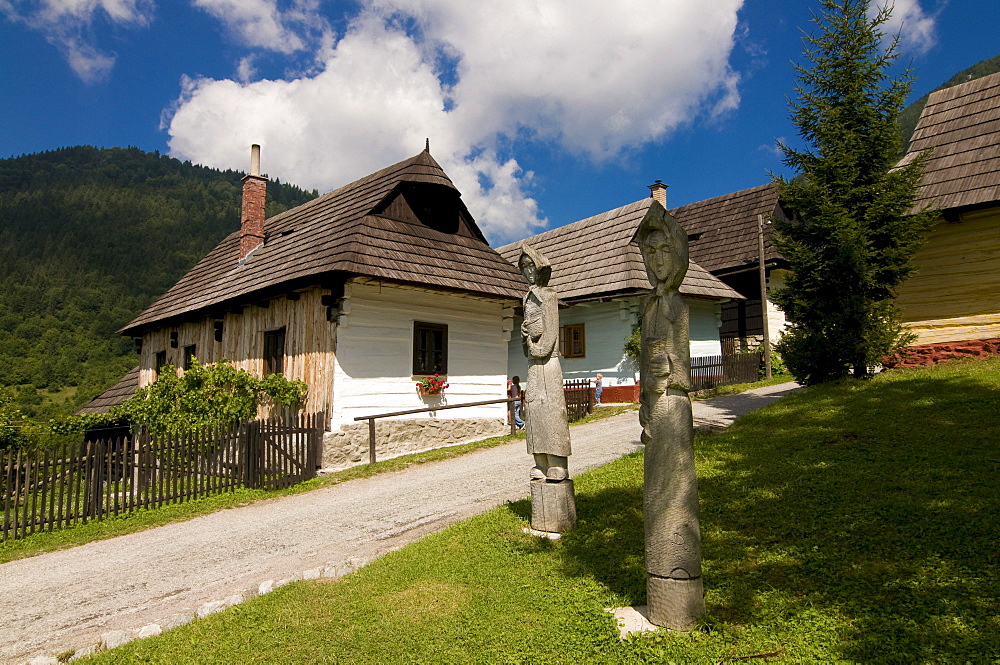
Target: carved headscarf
x: 543, y: 269
x: 658, y: 219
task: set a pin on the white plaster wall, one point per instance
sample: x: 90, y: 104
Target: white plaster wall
x: 607, y: 324
x: 706, y: 317
x: 375, y: 347
x: 776, y: 321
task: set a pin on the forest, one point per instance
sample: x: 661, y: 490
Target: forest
x: 88, y: 238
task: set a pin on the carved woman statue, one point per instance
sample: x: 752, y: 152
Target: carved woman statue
x: 670, y: 496
x: 544, y: 403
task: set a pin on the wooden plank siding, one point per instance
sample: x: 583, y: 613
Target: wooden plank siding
x: 374, y: 360
x: 955, y: 295
x: 309, y: 343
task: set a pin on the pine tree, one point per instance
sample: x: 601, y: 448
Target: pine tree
x: 850, y: 239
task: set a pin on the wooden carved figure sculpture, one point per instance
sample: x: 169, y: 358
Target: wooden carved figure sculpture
x: 674, y: 588
x: 552, y: 505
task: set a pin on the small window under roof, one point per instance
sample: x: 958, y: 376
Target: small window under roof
x: 435, y: 206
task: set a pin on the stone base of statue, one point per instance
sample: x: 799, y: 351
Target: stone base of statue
x: 675, y: 604
x: 553, y: 507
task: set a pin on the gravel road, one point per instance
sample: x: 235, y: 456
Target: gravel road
x: 66, y: 600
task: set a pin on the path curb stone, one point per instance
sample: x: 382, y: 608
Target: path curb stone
x: 116, y: 638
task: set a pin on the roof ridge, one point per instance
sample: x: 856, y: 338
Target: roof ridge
x: 578, y: 224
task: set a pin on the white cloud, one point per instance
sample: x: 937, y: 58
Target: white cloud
x: 66, y: 24
x: 245, y: 70
x: 261, y: 24
x: 916, y: 28
x: 596, y: 76
x: 592, y: 77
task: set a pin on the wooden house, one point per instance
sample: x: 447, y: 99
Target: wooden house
x: 955, y: 294
x: 723, y: 238
x: 598, y: 273
x: 359, y: 293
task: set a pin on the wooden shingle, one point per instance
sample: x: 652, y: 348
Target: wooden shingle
x: 341, y: 233
x: 961, y: 126
x: 114, y: 395
x: 598, y: 256
x: 722, y: 231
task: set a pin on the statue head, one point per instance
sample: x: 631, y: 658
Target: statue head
x: 664, y: 248
x: 535, y: 267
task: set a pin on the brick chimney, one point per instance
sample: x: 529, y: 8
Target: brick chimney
x: 254, y: 197
x: 658, y: 191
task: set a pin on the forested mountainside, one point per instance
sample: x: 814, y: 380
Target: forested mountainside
x: 911, y: 114
x: 88, y: 237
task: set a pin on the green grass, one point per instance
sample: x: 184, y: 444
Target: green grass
x: 854, y: 522
x: 743, y: 387
x: 81, y: 534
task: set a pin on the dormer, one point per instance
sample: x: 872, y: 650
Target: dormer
x: 435, y: 206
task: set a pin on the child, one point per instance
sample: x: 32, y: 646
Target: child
x: 514, y: 392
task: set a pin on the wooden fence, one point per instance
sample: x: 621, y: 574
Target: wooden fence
x: 51, y: 488
x: 579, y: 398
x: 711, y: 371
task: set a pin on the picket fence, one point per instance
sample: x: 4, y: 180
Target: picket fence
x: 51, y: 488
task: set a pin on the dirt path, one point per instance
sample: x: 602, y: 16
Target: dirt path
x: 66, y: 600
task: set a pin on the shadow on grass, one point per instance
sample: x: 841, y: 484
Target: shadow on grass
x: 875, y: 505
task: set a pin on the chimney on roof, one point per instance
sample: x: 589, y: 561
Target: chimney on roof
x: 254, y: 198
x: 658, y: 191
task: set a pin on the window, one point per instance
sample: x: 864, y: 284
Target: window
x: 430, y: 348
x: 573, y: 341
x: 188, y: 356
x: 159, y: 361
x: 274, y: 351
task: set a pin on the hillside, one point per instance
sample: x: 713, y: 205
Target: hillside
x: 88, y: 237
x: 911, y: 114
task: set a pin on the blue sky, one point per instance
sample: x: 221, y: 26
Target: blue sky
x: 542, y: 111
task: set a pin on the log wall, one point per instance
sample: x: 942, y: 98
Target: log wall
x: 955, y: 294
x: 310, y: 343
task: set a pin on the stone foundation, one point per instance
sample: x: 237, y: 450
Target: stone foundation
x: 349, y: 446
x: 931, y: 354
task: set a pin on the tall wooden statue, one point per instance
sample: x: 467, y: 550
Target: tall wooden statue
x: 553, y: 508
x: 670, y: 497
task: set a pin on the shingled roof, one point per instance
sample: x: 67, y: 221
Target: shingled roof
x: 722, y: 231
x: 114, y: 395
x: 352, y: 231
x: 961, y: 125
x: 597, y: 257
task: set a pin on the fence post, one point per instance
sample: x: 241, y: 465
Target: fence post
x: 93, y: 488
x: 371, y: 440
x: 318, y: 422
x: 252, y: 450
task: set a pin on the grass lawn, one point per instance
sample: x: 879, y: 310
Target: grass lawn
x: 854, y: 522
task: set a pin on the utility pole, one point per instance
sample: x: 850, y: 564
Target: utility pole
x: 763, y: 296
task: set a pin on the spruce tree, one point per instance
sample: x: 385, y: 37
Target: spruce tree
x: 849, y: 239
